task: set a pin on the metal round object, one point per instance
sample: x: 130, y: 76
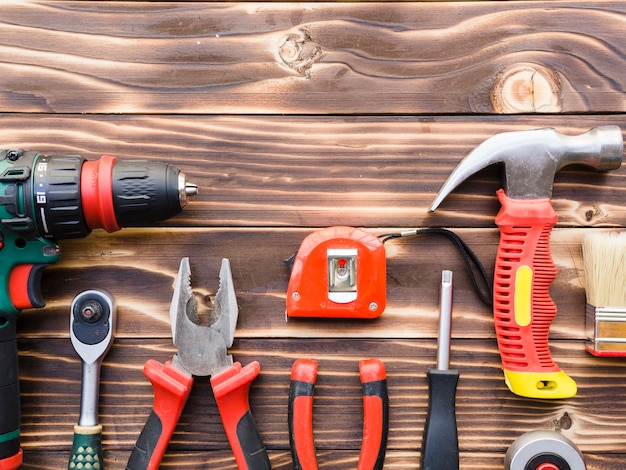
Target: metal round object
x: 543, y: 450
x: 91, y: 311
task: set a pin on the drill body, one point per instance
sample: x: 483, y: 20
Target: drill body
x: 47, y: 198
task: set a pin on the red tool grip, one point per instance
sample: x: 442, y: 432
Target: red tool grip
x: 300, y: 414
x: 523, y: 308
x: 12, y: 463
x: 171, y: 391
x: 231, y: 389
x: 25, y: 286
x: 375, y: 414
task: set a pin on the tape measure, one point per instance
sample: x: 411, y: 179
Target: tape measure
x: 338, y: 272
x: 543, y: 450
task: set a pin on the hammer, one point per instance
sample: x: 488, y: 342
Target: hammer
x: 522, y: 307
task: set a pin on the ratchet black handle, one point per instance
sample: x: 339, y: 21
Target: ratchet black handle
x: 10, y: 453
x: 440, y: 445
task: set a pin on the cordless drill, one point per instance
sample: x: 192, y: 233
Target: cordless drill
x: 44, y: 198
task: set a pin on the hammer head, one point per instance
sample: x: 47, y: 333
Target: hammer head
x: 532, y: 158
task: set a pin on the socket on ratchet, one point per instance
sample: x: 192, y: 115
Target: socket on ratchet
x: 92, y: 327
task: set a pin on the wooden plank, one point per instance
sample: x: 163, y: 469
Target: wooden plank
x: 395, y: 460
x: 258, y: 58
x: 138, y: 266
x: 489, y: 416
x: 376, y: 171
x: 292, y: 117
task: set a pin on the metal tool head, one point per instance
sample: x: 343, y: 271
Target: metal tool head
x: 92, y: 324
x: 203, y: 349
x: 532, y: 158
x: 543, y: 449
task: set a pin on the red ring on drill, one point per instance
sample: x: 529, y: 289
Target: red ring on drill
x: 96, y: 189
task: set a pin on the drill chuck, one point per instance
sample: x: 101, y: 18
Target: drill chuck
x: 66, y: 196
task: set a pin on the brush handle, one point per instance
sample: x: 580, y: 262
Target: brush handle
x: 523, y: 309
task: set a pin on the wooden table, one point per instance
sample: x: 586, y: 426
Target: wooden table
x: 294, y: 117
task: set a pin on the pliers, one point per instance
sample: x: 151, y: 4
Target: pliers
x: 201, y: 351
x: 375, y: 414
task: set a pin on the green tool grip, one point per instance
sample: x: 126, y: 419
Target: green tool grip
x: 87, y: 448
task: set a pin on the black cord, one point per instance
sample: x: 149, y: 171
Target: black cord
x: 470, y: 259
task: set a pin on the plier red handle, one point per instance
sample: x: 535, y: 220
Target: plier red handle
x: 171, y: 390
x: 375, y: 408
x: 201, y: 351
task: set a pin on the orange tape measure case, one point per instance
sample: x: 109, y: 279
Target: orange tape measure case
x: 338, y: 272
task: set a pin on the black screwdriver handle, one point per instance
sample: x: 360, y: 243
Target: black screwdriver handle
x: 440, y: 445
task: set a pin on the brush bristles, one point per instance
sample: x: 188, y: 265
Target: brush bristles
x: 604, y: 257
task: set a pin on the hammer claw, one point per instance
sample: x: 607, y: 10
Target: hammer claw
x: 532, y: 158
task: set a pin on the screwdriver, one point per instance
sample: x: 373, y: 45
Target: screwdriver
x: 440, y: 444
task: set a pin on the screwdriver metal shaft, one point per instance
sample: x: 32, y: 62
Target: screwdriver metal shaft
x: 440, y: 444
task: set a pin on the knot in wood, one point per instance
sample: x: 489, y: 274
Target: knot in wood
x: 527, y: 88
x: 299, y: 52
x: 594, y: 214
x: 565, y: 422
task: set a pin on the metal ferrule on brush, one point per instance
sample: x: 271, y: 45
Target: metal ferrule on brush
x: 606, y: 331
x: 604, y: 256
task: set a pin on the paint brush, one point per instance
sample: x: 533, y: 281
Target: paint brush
x: 604, y: 258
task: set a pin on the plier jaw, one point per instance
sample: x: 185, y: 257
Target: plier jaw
x: 202, y: 350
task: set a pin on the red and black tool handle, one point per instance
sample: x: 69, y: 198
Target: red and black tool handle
x: 171, y: 390
x: 23, y: 291
x: 523, y: 309
x: 300, y: 414
x: 375, y: 414
x: 375, y: 408
x: 231, y: 389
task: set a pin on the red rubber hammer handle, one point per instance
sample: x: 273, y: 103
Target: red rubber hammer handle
x: 300, y: 414
x: 375, y: 414
x: 171, y: 391
x: 523, y: 308
x: 231, y: 389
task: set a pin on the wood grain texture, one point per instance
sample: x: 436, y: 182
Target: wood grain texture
x: 314, y: 58
x: 138, y: 266
x: 489, y: 417
x: 336, y: 459
x: 297, y: 171
x: 292, y: 117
